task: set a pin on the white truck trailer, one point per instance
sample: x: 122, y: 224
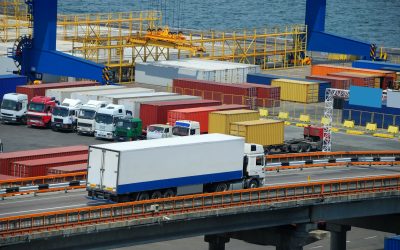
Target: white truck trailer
x: 94, y: 95
x: 61, y: 94
x: 140, y: 170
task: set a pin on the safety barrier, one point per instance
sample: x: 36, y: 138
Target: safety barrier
x: 26, y: 224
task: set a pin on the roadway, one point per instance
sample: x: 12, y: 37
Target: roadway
x: 22, y: 138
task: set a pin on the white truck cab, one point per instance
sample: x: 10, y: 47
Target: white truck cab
x: 105, y: 120
x: 158, y: 131
x: 14, y: 108
x: 86, y: 116
x: 254, y: 163
x: 64, y: 116
x: 186, y: 128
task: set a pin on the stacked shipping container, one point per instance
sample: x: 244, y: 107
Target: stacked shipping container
x: 263, y: 132
x: 336, y: 82
x: 359, y: 79
x: 298, y: 91
x: 82, y: 167
x: 220, y: 122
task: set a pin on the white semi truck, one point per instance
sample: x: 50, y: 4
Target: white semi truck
x: 106, y: 120
x: 14, y: 107
x: 87, y: 115
x: 140, y: 170
x: 64, y: 116
x: 180, y: 128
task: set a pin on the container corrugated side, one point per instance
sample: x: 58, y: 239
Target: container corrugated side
x: 379, y: 65
x: 359, y: 79
x: 7, y: 158
x: 61, y: 94
x: 39, y: 167
x: 219, y: 122
x: 264, y: 132
x: 336, y: 82
x: 67, y: 169
x: 297, y: 91
x: 392, y: 243
x: 6, y: 177
x: 9, y: 83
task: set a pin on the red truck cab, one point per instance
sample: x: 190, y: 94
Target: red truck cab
x: 39, y: 111
x: 314, y: 133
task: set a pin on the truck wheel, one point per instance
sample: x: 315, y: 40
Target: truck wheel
x: 90, y: 193
x: 169, y: 193
x: 156, y: 195
x: 143, y: 196
x: 253, y: 183
x: 308, y: 148
x: 221, y: 187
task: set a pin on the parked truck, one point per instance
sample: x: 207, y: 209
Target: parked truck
x: 64, y: 116
x: 86, y: 116
x: 128, y: 128
x: 180, y: 128
x: 13, y: 108
x: 39, y: 111
x: 153, y: 169
x: 106, y: 120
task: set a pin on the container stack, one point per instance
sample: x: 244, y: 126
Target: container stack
x: 220, y: 122
x: 82, y: 167
x: 359, y: 79
x: 336, y: 82
x: 298, y: 91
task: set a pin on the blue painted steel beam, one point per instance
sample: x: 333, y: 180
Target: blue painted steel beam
x: 319, y: 40
x: 43, y: 57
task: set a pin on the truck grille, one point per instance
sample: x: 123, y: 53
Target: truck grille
x: 58, y: 120
x: 34, y: 117
x: 87, y: 125
x: 6, y: 114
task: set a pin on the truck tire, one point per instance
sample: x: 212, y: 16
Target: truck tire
x: 307, y: 148
x: 156, y: 195
x: 221, y: 187
x: 143, y: 196
x: 169, y: 193
x: 253, y: 183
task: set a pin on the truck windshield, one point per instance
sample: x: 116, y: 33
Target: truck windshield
x: 104, y: 118
x: 9, y: 105
x: 155, y: 129
x: 38, y: 107
x: 126, y: 124
x: 180, y: 131
x: 87, y: 114
x: 60, y: 111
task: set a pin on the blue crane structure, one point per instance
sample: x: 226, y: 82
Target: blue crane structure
x: 319, y: 40
x: 37, y: 54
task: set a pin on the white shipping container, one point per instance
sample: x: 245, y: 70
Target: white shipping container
x: 113, y: 98
x: 393, y: 99
x: 126, y: 167
x: 133, y: 104
x: 61, y: 94
x: 163, y: 72
x: 94, y: 95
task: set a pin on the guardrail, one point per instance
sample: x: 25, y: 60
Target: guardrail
x: 26, y: 224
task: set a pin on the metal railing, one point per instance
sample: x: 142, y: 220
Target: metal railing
x: 26, y: 224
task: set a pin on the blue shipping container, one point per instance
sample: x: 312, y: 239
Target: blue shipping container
x: 392, y: 243
x: 9, y: 83
x: 364, y: 64
x: 363, y: 96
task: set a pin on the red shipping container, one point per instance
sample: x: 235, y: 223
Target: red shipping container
x: 7, y: 158
x: 336, y: 82
x: 38, y: 167
x: 81, y: 167
x: 225, y: 92
x: 267, y: 96
x: 6, y: 177
x: 357, y: 79
x: 387, y: 77
x: 40, y: 89
x: 157, y: 112
x: 199, y: 114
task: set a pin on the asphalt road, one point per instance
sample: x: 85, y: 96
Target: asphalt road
x: 16, y: 138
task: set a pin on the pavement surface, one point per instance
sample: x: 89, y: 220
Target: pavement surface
x: 16, y: 137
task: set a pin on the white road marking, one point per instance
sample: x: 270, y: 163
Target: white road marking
x: 316, y: 247
x: 371, y: 237
x: 40, y: 198
x: 44, y: 209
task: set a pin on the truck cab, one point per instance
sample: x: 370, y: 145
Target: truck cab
x: 253, y: 165
x: 64, y: 116
x: 106, y: 120
x: 158, y: 131
x: 186, y: 128
x: 128, y: 128
x: 86, y: 116
x: 39, y: 111
x: 14, y: 107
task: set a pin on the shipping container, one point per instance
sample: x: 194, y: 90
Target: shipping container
x: 95, y: 95
x: 263, y: 132
x: 199, y: 114
x: 39, y: 167
x: 81, y: 167
x: 163, y: 72
x: 336, y: 82
x: 260, y: 78
x: 61, y: 94
x: 386, y: 77
x: 6, y: 177
x: 40, y: 89
x: 9, y: 83
x: 226, y: 93
x: 220, y: 121
x: 392, y: 243
x: 359, y: 79
x: 7, y: 158
x: 133, y: 104
x: 157, y: 112
x: 267, y: 96
x: 114, y: 98
x: 298, y: 91
x: 378, y: 65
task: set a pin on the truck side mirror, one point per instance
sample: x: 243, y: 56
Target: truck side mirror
x: 129, y: 112
x: 192, y: 131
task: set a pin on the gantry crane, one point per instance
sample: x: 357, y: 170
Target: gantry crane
x: 35, y: 55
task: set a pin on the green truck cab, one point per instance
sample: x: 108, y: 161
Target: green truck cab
x: 128, y: 128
